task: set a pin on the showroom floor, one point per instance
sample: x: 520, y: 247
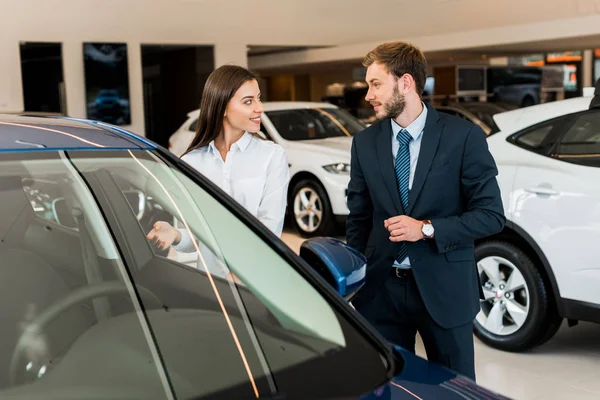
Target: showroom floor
x: 567, y: 367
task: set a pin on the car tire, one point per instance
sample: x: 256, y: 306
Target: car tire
x: 525, y: 316
x: 306, y: 216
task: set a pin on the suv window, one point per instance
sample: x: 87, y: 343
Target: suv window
x: 534, y: 138
x: 581, y: 143
x: 314, y: 123
x: 537, y: 138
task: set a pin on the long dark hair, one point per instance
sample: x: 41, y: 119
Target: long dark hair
x: 220, y: 87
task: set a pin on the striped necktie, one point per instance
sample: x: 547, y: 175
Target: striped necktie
x: 403, y: 179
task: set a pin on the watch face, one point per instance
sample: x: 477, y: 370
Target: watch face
x: 427, y: 230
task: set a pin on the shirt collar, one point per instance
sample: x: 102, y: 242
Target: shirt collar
x: 415, y: 128
x: 242, y: 143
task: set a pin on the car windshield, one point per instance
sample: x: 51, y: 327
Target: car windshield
x: 315, y: 123
x: 91, y: 306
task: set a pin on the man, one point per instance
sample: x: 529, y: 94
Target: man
x: 422, y: 189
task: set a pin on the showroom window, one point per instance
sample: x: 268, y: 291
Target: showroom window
x: 581, y: 143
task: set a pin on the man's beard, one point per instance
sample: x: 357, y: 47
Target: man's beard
x: 394, y: 106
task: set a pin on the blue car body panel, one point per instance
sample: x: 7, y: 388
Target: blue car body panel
x: 421, y: 379
x: 347, y: 266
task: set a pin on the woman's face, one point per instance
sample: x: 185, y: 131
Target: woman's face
x: 244, y: 110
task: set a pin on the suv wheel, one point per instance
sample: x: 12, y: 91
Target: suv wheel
x: 311, y: 210
x: 517, y: 313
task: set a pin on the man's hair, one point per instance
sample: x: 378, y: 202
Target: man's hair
x: 400, y: 58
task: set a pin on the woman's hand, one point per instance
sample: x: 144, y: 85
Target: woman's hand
x: 163, y: 235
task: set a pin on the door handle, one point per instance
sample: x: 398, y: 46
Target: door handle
x: 548, y: 191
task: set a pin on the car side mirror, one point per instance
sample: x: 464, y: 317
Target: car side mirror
x: 340, y: 265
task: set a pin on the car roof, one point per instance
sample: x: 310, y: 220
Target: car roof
x: 284, y: 105
x: 21, y: 133
x: 514, y: 120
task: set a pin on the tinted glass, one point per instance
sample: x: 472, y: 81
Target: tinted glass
x: 536, y: 137
x: 581, y: 143
x: 71, y: 319
x: 315, y: 123
x: 233, y: 318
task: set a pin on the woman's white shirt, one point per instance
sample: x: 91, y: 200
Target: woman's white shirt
x: 255, y: 173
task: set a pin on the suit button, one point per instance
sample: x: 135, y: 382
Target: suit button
x: 447, y: 247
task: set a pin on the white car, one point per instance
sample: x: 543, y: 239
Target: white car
x: 545, y: 265
x: 317, y: 138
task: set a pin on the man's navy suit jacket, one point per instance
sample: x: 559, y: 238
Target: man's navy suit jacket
x: 454, y: 186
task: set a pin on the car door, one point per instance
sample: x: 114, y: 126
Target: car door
x: 266, y: 331
x: 557, y: 199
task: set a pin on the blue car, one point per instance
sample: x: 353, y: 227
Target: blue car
x: 92, y: 310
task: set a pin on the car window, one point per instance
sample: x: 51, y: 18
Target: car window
x: 581, y: 143
x: 536, y: 138
x: 194, y: 125
x: 314, y: 123
x: 65, y: 291
x: 237, y: 318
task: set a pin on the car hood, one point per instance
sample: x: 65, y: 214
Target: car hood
x: 337, y: 147
x: 420, y: 379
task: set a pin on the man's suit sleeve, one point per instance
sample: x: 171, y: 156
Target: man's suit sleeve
x: 484, y: 215
x: 360, y: 219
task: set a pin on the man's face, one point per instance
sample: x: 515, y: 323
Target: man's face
x: 384, y: 94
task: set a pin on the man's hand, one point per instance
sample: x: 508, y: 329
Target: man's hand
x: 404, y: 229
x: 163, y: 235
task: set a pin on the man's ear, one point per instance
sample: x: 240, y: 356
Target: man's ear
x: 408, y: 83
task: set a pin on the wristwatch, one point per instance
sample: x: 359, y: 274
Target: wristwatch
x: 427, y: 229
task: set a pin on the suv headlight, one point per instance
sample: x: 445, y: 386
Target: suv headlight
x: 338, y: 168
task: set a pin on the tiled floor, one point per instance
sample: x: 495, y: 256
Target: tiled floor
x: 566, y: 368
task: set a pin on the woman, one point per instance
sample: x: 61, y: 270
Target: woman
x: 228, y: 150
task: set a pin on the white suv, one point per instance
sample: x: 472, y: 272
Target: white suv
x: 317, y: 138
x: 545, y: 265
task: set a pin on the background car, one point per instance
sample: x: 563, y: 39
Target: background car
x: 92, y: 310
x: 479, y: 113
x: 543, y: 266
x: 317, y: 138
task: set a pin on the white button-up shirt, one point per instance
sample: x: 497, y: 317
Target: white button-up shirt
x: 416, y: 131
x: 255, y: 172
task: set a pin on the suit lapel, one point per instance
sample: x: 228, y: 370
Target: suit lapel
x: 386, y: 162
x: 429, y: 145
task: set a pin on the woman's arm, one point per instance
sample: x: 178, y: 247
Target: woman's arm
x: 271, y: 211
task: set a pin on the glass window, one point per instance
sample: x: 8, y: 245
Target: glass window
x: 581, y: 143
x: 194, y: 125
x: 315, y: 123
x: 535, y: 137
x: 71, y: 319
x: 237, y: 319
